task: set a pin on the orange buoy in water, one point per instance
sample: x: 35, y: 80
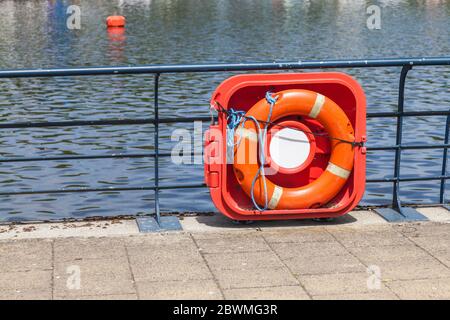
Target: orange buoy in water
x: 115, y: 21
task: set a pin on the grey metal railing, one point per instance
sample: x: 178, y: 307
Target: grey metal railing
x: 406, y: 64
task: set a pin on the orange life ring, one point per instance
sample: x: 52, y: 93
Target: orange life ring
x: 329, y: 183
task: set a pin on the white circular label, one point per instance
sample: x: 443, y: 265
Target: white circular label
x: 289, y: 148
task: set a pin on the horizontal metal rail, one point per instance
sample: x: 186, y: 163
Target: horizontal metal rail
x: 118, y: 122
x: 190, y: 186
x: 407, y: 179
x: 86, y: 157
x: 230, y: 67
x: 168, y: 154
x: 107, y: 189
x: 410, y: 147
x: 188, y: 120
x: 155, y: 120
x: 395, y: 114
x: 124, y: 122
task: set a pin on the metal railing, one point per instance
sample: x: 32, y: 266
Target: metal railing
x: 406, y: 64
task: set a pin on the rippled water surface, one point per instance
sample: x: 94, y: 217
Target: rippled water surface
x: 33, y: 34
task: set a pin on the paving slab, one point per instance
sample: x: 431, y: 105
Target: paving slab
x: 27, y: 294
x: 313, y: 249
x: 372, y: 295
x: 365, y: 218
x: 382, y: 254
x: 422, y: 289
x: 213, y: 224
x: 313, y: 234
x: 229, y: 234
x: 92, y: 277
x: 425, y: 229
x: 431, y: 243
x: 416, y: 268
x: 294, y: 292
x: 69, y: 249
x: 370, y: 236
x: 179, y: 290
x: 441, y: 254
x: 25, y: 255
x: 130, y: 296
x: 336, y: 284
x: 242, y: 260
x: 233, y: 244
x: 107, y: 269
x: 255, y: 278
x: 170, y: 240
x: 93, y: 286
x: 25, y: 282
x: 172, y: 265
x: 102, y: 228
x: 311, y: 265
x: 144, y: 255
x: 435, y: 214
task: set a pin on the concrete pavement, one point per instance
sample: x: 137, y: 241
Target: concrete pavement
x: 357, y: 257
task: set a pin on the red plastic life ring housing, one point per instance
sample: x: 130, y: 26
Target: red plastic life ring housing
x: 324, y: 179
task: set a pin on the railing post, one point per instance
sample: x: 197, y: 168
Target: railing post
x: 159, y: 223
x: 398, y: 140
x: 156, y: 137
x: 399, y: 213
x: 444, y: 162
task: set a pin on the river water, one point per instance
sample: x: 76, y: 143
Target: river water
x: 34, y: 34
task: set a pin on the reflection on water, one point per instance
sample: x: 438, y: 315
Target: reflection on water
x: 34, y: 35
